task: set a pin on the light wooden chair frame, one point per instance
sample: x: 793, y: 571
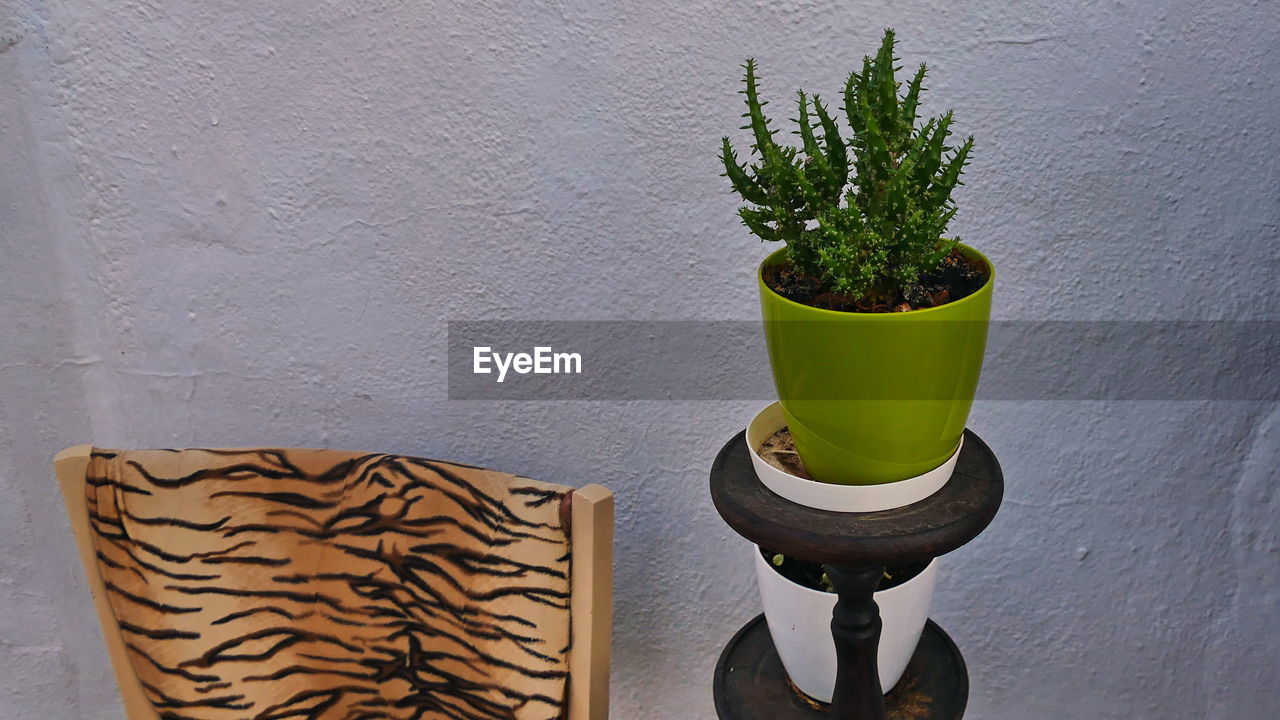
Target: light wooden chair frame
x: 590, y: 511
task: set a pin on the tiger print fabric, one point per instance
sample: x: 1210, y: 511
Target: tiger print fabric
x: 326, y: 585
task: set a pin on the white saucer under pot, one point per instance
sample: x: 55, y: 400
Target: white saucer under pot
x: 829, y: 496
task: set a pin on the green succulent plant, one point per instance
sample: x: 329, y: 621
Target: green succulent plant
x: 865, y: 216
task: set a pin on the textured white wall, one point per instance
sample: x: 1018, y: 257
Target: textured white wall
x: 231, y: 225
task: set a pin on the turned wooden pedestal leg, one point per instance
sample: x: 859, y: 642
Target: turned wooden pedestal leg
x: 750, y: 680
x: 855, y: 626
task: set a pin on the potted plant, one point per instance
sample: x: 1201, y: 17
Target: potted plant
x: 875, y: 321
x: 798, y: 602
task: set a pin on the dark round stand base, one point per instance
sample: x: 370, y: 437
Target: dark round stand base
x: 750, y: 683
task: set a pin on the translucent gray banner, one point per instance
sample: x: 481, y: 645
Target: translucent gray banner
x: 727, y: 360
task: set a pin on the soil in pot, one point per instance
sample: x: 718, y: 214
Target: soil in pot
x: 780, y: 451
x: 956, y: 277
x: 810, y: 575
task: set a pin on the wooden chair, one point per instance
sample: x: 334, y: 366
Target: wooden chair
x: 334, y: 585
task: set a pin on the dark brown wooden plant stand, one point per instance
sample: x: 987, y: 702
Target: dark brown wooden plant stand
x: 750, y: 683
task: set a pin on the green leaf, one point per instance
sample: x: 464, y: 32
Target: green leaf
x: 912, y: 99
x: 950, y: 177
x: 755, y: 222
x: 737, y: 174
x: 836, y: 153
x: 755, y: 109
x: 807, y: 140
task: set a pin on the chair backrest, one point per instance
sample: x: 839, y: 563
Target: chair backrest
x: 321, y: 583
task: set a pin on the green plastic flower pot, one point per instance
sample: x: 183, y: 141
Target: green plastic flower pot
x: 872, y: 398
